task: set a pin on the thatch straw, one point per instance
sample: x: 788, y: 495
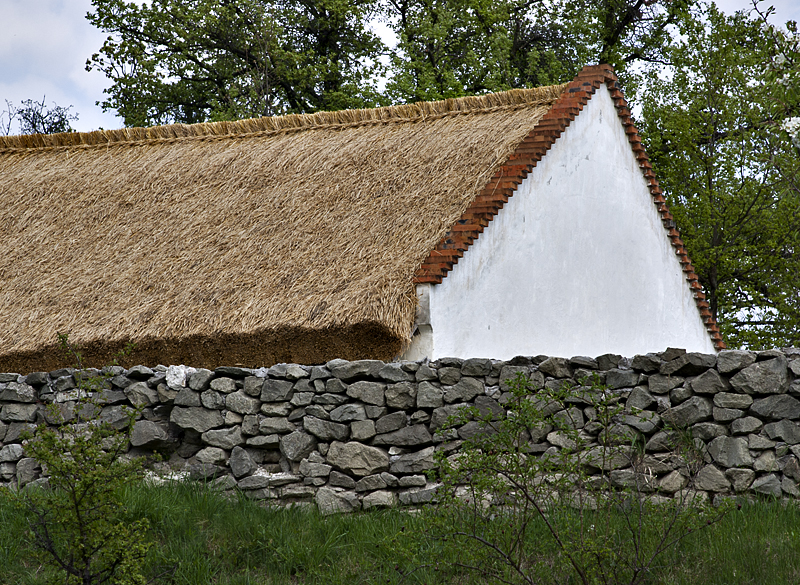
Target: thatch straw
x: 263, y: 230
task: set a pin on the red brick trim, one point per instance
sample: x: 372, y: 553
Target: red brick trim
x: 529, y: 152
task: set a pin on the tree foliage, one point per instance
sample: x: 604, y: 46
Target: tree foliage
x: 35, y: 117
x: 197, y: 60
x: 712, y: 122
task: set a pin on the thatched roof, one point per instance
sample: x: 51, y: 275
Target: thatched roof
x: 293, y: 238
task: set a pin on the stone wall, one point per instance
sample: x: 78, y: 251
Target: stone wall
x: 361, y: 434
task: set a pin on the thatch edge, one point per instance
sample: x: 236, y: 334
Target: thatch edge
x: 420, y: 111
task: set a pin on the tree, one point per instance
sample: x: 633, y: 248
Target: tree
x: 712, y: 122
x: 197, y: 60
x: 450, y: 48
x: 36, y: 118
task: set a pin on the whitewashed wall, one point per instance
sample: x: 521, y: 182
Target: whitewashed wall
x: 577, y: 263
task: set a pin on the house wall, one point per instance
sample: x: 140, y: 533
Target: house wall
x: 353, y: 435
x: 577, y: 262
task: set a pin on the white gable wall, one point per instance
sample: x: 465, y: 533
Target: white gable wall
x: 576, y: 263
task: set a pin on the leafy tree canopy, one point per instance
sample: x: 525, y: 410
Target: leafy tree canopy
x: 36, y: 118
x: 715, y: 125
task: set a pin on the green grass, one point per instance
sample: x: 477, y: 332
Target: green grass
x: 201, y: 537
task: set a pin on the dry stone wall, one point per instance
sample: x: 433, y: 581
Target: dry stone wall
x: 361, y: 434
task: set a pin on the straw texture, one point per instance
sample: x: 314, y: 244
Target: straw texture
x: 293, y: 238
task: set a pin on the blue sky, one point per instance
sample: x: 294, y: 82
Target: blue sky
x: 45, y: 44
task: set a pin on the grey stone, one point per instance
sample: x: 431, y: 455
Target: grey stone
x: 688, y: 364
x: 608, y: 458
x: 776, y: 407
x: 646, y: 363
x: 746, y: 425
x: 242, y: 403
x: 768, y: 485
x: 330, y: 501
x: 693, y: 410
x: 241, y: 463
x: 211, y: 456
x: 276, y: 391
x: 425, y: 374
x: 15, y: 412
x: 731, y: 400
x: 730, y: 452
x: 393, y: 373
x: 233, y: 371
x: 335, y: 386
x: 349, y: 371
x: 792, y: 468
x: 790, y: 487
x: 297, y: 445
x: 265, y: 441
x: 582, y: 361
x: 556, y: 367
x: 621, y: 378
x: 186, y: 397
x: 741, y: 479
x: 441, y: 415
x: 709, y: 382
x: 727, y: 414
x: 318, y: 411
x: 645, y: 422
x: 639, y: 399
x: 659, y: 384
x: 608, y: 361
x: 476, y: 367
x: 213, y: 400
x: 489, y: 407
x: 391, y: 422
x: 11, y: 453
x: 177, y: 376
x: 117, y: 416
x: 224, y: 438
x: 198, y: 419
x: 341, y: 480
x: 150, y: 435
x: 348, y: 413
x: 672, y: 482
x: 769, y: 377
x: 375, y: 412
x: 408, y: 436
x: 325, y: 430
x: 412, y: 481
x: 276, y: 409
x: 68, y: 383
x: 371, y: 483
x: 707, y: 431
x: 361, y: 430
x: 309, y: 469
x: 233, y: 418
x: 464, y: 391
x: 295, y: 372
x: 27, y: 470
x: 710, y: 478
x: 732, y: 360
x: 223, y: 385
x: 449, y: 376
x: 379, y: 499
x: 402, y: 395
x: 369, y: 392
x: 200, y: 380
x: 357, y: 459
x: 16, y: 392
x: 275, y: 425
x: 679, y: 394
x: 253, y: 385
x: 328, y: 399
x: 301, y: 398
x: 205, y: 471
x: 417, y: 462
x: 254, y: 482
x: 139, y: 373
x: 786, y: 429
x: 423, y: 496
x: 758, y: 443
x: 509, y: 373
x: 140, y: 394
x: 766, y: 462
x: 429, y: 396
x: 36, y: 378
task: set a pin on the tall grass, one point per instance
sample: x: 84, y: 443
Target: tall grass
x: 202, y: 537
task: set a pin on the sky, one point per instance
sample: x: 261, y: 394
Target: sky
x: 44, y: 46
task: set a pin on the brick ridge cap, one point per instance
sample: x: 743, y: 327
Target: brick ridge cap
x: 493, y: 196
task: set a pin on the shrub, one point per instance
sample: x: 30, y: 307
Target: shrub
x: 590, y: 491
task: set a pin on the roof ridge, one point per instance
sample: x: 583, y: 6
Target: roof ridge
x: 403, y: 113
x: 529, y: 152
